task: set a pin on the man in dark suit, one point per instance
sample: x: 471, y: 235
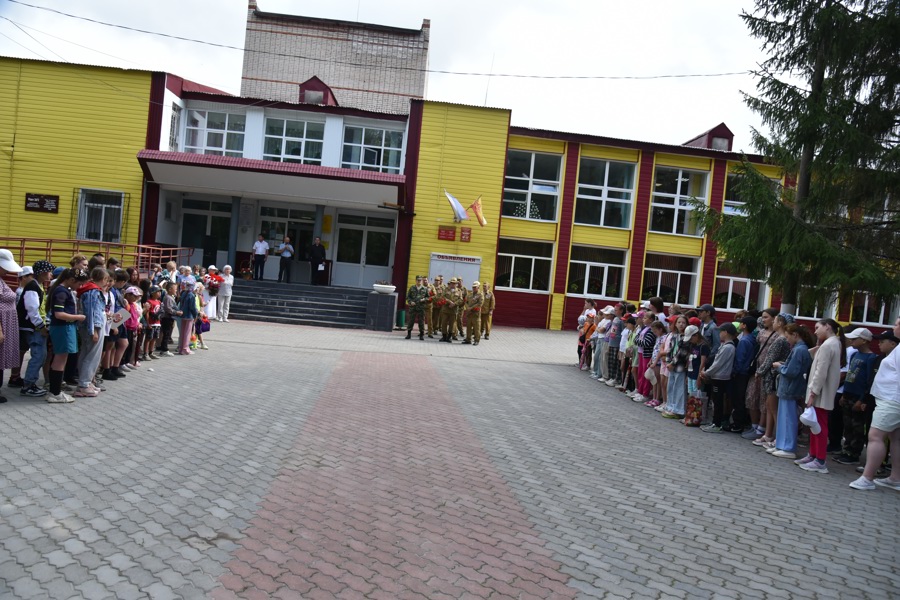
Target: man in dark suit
x: 316, y: 258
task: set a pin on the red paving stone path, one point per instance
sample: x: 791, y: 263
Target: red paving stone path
x: 390, y: 497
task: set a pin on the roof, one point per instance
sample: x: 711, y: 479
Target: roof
x: 599, y: 140
x: 179, y: 85
x: 426, y: 23
x: 267, y: 166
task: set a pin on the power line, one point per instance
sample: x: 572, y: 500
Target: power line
x: 367, y: 65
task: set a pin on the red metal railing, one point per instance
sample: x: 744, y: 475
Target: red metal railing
x: 28, y: 250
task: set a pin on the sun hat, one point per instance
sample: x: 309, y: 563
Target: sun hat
x: 212, y: 268
x: 7, y: 263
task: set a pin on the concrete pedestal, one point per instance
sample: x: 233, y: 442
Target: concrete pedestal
x: 381, y: 310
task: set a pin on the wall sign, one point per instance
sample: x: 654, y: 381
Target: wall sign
x: 465, y: 234
x: 445, y: 232
x: 42, y: 203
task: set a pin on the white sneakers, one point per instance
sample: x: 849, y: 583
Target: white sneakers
x: 61, y: 398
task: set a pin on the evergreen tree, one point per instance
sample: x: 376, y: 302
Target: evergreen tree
x: 829, y: 94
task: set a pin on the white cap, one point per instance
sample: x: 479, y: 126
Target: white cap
x: 26, y: 271
x: 608, y: 310
x: 645, y: 304
x: 7, y: 263
x: 690, y: 331
x: 212, y: 268
x: 860, y: 333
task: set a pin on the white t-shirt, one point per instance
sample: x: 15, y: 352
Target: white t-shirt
x: 887, y: 381
x: 260, y: 248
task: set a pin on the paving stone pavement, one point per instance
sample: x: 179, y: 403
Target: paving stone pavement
x: 317, y: 463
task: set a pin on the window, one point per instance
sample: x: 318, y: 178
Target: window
x: 531, y: 187
x: 874, y: 310
x: 672, y: 213
x: 215, y: 133
x: 672, y: 278
x: 371, y: 149
x: 597, y: 272
x: 737, y: 292
x: 294, y: 141
x: 100, y: 215
x: 524, y: 265
x: 604, y: 193
x: 813, y: 306
x: 734, y: 203
x: 174, y: 128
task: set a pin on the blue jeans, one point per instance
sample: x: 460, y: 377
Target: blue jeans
x: 676, y: 391
x: 786, y: 425
x: 37, y: 346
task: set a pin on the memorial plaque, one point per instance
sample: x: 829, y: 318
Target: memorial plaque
x: 42, y: 203
x: 465, y: 234
x: 446, y: 233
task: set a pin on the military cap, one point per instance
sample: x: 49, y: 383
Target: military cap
x: 476, y: 284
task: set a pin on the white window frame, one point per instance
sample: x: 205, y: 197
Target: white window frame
x: 735, y: 207
x: 175, y: 127
x: 284, y: 139
x: 203, y: 133
x: 692, y: 293
x: 602, y: 193
x: 679, y: 200
x: 605, y: 266
x: 84, y: 205
x: 379, y: 150
x: 512, y: 269
x: 729, y: 305
x: 534, y: 187
x: 820, y: 312
x: 888, y: 312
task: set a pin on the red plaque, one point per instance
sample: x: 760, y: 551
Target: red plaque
x: 465, y: 234
x: 446, y: 232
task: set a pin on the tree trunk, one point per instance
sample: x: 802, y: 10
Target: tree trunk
x: 791, y: 289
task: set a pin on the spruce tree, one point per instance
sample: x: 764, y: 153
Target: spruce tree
x: 829, y: 96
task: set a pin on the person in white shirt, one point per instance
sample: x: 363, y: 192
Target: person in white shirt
x: 885, y: 422
x: 260, y: 255
x: 225, y: 294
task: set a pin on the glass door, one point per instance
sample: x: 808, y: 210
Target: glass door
x: 364, y: 252
x: 193, y: 230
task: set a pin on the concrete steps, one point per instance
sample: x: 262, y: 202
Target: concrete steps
x: 299, y: 304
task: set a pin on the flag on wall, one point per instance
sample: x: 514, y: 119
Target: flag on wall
x: 479, y: 214
x: 459, y: 213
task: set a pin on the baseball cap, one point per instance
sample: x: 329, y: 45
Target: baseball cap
x: 887, y: 335
x: 708, y: 308
x: 690, y: 331
x: 58, y: 271
x: 645, y: 304
x: 154, y: 289
x: 859, y: 333
x: 26, y: 271
x: 134, y: 290
x: 695, y: 321
x: 212, y: 268
x: 608, y: 310
x: 7, y: 263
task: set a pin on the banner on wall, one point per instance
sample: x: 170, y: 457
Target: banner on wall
x: 455, y: 265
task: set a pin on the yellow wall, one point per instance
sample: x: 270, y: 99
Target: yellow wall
x: 684, y: 162
x: 462, y: 149
x: 585, y: 235
x: 610, y: 153
x: 73, y: 127
x: 518, y: 142
x: 674, y: 244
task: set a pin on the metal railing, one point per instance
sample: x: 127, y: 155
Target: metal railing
x: 59, y: 252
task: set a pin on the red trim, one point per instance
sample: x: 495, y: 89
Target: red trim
x: 151, y: 213
x: 520, y: 309
x: 264, y: 166
x: 566, y: 217
x: 314, y: 84
x: 640, y: 225
x: 635, y: 144
x: 179, y: 85
x: 335, y: 110
x: 403, y: 247
x: 710, y: 256
x: 155, y: 110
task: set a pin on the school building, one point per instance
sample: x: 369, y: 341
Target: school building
x: 129, y: 156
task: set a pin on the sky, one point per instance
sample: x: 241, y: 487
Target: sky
x: 584, y: 38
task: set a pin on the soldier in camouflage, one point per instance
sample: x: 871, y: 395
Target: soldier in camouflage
x: 452, y: 299
x: 462, y: 307
x: 415, y: 301
x: 473, y: 305
x: 487, y: 311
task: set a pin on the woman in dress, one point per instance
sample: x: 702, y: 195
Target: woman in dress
x: 9, y: 319
x: 778, y: 349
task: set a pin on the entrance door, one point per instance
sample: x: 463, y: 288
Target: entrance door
x: 193, y: 231
x: 364, y: 250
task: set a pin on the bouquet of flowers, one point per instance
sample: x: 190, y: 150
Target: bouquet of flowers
x: 213, y: 281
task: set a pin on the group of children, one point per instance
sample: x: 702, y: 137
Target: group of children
x: 760, y: 376
x: 97, y: 322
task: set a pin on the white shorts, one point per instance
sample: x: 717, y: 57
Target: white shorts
x: 886, y: 416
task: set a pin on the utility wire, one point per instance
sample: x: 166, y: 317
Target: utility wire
x: 368, y: 65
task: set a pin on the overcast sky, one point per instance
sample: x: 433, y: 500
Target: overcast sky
x: 526, y: 37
